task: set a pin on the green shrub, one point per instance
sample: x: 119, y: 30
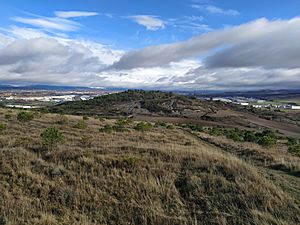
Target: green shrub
x: 250, y: 136
x: 81, y: 125
x: 188, y: 143
x: 8, y: 116
x: 170, y: 126
x: 124, y: 122
x: 25, y: 117
x: 85, y: 118
x: 215, y: 131
x: 193, y: 127
x: 235, y: 134
x: 107, y: 129
x: 86, y: 141
x: 292, y: 141
x: 267, y: 141
x: 143, y: 126
x: 129, y: 161
x: 62, y: 120
x: 2, y: 128
x: 51, y: 137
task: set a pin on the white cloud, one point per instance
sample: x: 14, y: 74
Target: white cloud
x: 150, y: 22
x: 73, y: 14
x: 258, y: 43
x: 216, y: 10
x: 49, y: 23
x: 259, y: 54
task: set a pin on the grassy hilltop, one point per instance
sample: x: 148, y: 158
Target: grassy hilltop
x: 90, y: 170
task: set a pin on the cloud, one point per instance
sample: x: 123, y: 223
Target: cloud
x: 54, y: 60
x: 261, y: 43
x: 73, y: 14
x: 51, y: 23
x: 216, y: 10
x: 257, y: 55
x: 150, y: 22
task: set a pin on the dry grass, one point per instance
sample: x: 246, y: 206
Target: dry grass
x: 129, y: 178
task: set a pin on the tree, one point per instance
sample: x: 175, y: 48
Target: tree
x: 51, y: 137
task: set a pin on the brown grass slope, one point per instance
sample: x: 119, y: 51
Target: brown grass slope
x: 130, y: 177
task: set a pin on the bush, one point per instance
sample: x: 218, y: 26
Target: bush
x: 86, y: 141
x: 250, y: 136
x: 267, y: 141
x: 236, y: 135
x: 2, y: 128
x: 85, y: 118
x: 51, y: 137
x: 215, y: 131
x: 143, y: 126
x: 81, y: 125
x: 8, y: 116
x: 62, y: 120
x: 194, y: 127
x: 25, y: 117
x: 107, y: 129
x: 170, y: 126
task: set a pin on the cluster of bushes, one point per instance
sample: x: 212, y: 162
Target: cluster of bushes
x: 193, y: 127
x: 25, y: 116
x: 266, y: 138
x: 294, y: 145
x: 120, y: 126
x: 143, y: 126
x: 51, y: 137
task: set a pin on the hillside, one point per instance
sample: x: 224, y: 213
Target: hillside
x: 159, y: 106
x: 138, y: 102
x: 129, y: 172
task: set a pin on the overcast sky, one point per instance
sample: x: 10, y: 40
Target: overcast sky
x: 178, y: 44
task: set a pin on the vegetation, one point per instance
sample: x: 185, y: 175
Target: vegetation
x: 80, y: 125
x: 266, y: 138
x: 107, y: 129
x: 2, y: 128
x: 143, y: 126
x: 25, y: 116
x: 51, y: 137
x: 148, y: 175
x: 294, y: 145
x: 62, y: 120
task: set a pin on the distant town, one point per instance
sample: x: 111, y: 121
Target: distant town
x: 257, y: 103
x: 28, y: 99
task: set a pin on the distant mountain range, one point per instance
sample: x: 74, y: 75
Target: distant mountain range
x: 50, y: 87
x: 265, y: 94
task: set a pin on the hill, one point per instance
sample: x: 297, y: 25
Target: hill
x: 130, y: 172
x: 159, y: 106
x: 138, y: 102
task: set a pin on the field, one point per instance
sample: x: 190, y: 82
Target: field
x: 131, y: 174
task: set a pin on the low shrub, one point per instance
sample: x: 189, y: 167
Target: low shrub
x: 86, y: 141
x: 143, y: 126
x: 85, y: 118
x: 51, y: 137
x: 107, y: 129
x: 25, y: 117
x: 81, y: 125
x: 62, y: 120
x: 8, y: 116
x: 2, y: 128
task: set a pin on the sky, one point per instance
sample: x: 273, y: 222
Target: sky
x: 151, y: 44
